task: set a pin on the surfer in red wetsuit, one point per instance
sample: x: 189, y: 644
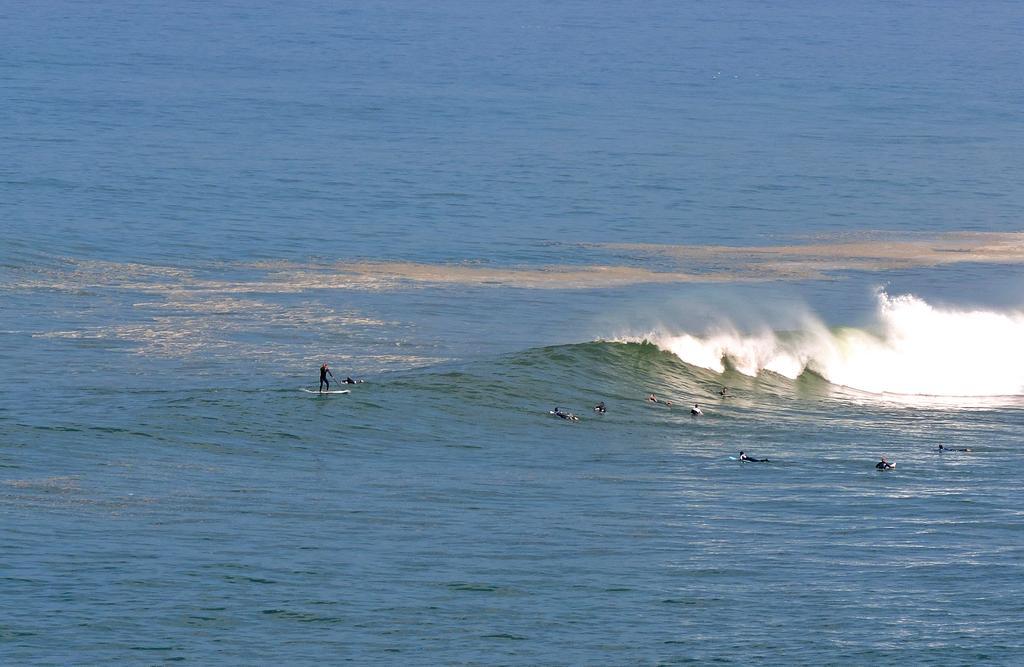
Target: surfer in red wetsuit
x: 324, y: 372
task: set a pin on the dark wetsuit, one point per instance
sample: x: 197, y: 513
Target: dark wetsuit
x: 600, y: 407
x: 885, y: 465
x: 744, y: 457
x: 324, y: 371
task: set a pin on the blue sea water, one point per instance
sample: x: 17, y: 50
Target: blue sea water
x: 202, y: 202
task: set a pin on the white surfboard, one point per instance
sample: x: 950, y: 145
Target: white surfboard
x: 333, y: 391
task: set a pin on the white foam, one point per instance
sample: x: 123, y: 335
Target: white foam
x: 914, y: 348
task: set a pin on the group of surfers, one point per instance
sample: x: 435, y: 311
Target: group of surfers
x: 601, y: 408
x: 325, y: 384
x: 889, y: 465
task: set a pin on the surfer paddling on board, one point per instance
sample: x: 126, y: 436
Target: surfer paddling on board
x: 324, y: 372
x: 654, y: 399
x: 558, y: 412
x: 952, y: 449
x: 744, y: 457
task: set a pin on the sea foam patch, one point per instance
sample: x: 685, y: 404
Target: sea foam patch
x: 685, y: 264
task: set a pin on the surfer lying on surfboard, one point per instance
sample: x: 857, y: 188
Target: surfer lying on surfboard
x: 952, y: 449
x: 564, y: 415
x: 654, y: 399
x: 744, y: 457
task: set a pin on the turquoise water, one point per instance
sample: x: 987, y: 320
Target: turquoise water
x: 456, y: 202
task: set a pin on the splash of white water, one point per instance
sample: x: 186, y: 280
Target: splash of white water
x: 915, y: 348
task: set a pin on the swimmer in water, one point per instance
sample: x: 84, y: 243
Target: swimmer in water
x: 654, y: 399
x: 695, y: 410
x: 600, y: 408
x: 724, y: 393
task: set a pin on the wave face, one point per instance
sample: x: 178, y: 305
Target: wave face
x: 914, y: 348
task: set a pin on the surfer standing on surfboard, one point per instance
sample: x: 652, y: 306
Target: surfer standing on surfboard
x: 324, y: 372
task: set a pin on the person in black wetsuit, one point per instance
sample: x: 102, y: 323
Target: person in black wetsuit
x: 951, y: 449
x: 324, y: 372
x: 885, y: 465
x: 348, y: 381
x: 600, y: 408
x: 564, y: 415
x: 744, y: 457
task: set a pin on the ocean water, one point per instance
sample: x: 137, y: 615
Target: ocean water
x: 486, y: 212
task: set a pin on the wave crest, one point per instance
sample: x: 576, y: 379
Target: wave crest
x: 913, y: 348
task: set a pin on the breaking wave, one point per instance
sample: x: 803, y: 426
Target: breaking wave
x: 913, y: 348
